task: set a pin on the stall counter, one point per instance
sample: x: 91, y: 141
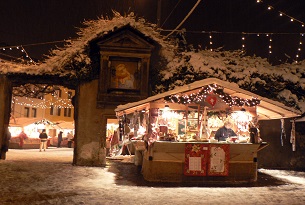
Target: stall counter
x: 165, y: 162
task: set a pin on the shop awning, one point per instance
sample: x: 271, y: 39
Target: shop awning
x: 267, y: 109
x: 25, y: 121
x: 65, y: 125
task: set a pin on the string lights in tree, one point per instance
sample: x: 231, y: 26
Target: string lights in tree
x: 203, y: 93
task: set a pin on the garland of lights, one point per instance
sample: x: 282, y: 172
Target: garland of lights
x: 31, y: 101
x: 19, y: 48
x: 202, y: 94
x: 292, y: 19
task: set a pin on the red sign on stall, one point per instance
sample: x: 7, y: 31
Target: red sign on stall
x: 196, y: 158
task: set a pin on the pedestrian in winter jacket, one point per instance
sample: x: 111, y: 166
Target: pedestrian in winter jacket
x: 59, y: 138
x: 43, y: 140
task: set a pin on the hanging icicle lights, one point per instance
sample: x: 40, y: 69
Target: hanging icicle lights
x: 217, y: 90
x: 55, y: 101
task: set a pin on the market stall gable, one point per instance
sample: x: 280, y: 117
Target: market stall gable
x: 266, y: 109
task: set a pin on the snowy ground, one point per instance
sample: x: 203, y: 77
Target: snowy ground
x: 33, y: 177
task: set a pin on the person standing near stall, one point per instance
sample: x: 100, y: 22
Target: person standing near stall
x: 70, y: 139
x: 22, y: 136
x: 43, y: 140
x: 59, y: 138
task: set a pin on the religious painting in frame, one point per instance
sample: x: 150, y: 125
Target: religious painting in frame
x: 196, y: 157
x: 219, y: 160
x: 124, y: 73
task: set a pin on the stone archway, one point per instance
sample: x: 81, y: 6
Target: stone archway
x: 7, y: 85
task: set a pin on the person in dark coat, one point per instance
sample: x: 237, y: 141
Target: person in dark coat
x: 43, y: 140
x: 4, y: 147
x: 225, y: 132
x: 59, y: 138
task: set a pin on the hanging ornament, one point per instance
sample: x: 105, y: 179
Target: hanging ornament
x: 292, y: 135
x: 283, y: 133
x: 211, y: 100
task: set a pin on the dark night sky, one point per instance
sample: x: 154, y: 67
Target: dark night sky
x: 33, y: 23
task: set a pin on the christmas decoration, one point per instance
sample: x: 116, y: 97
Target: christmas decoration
x: 217, y: 90
x: 211, y: 100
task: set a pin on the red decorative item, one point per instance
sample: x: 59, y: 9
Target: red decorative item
x: 211, y: 100
x: 196, y: 158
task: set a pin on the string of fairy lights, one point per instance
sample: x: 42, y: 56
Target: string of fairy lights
x: 210, y: 35
x: 55, y: 102
x: 203, y: 93
x: 281, y: 13
x: 269, y: 35
x: 19, y: 48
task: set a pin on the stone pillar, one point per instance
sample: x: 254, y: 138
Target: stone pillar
x: 5, y: 111
x: 89, y: 140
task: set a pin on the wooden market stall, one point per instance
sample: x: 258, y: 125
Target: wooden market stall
x: 177, y: 129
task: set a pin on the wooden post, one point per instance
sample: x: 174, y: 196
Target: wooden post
x: 5, y: 111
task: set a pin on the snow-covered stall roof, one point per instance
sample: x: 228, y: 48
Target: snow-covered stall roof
x: 267, y: 109
x: 25, y: 121
x: 65, y: 125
